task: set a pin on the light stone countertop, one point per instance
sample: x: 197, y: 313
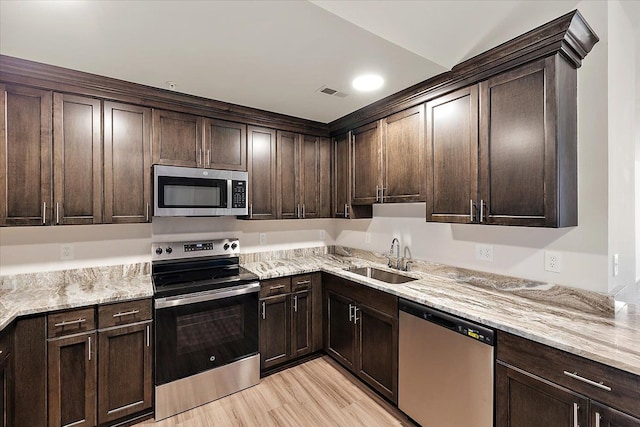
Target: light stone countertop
x: 612, y: 339
x: 25, y: 294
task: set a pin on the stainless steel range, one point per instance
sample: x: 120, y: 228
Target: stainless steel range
x: 206, y: 324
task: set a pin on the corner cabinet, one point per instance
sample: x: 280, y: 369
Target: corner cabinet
x: 537, y: 385
x: 520, y: 168
x: 361, y: 332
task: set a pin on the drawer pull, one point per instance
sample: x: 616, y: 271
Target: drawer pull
x: 126, y: 313
x: 275, y: 288
x: 304, y: 282
x: 69, y: 322
x: 575, y: 375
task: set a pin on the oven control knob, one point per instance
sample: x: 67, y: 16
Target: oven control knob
x: 234, y: 245
x: 159, y: 251
x: 226, y: 246
x: 169, y: 250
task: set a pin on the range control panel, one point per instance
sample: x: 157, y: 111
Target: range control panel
x: 181, y: 250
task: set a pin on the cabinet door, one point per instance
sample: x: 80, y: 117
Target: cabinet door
x: 287, y: 178
x: 309, y: 176
x: 452, y: 157
x: 127, y: 163
x: 518, y: 177
x: 275, y: 330
x: 124, y: 371
x: 177, y: 139
x: 523, y: 400
x: 324, y: 172
x: 341, y: 333
x: 301, y: 323
x: 77, y: 160
x: 25, y: 156
x: 341, y: 196
x: 30, y: 363
x: 225, y: 145
x: 605, y: 416
x: 403, y: 156
x: 365, y: 166
x: 6, y: 378
x: 261, y: 164
x: 72, y: 380
x: 378, y: 350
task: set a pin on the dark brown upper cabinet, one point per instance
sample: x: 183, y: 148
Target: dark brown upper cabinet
x: 225, y: 145
x: 177, y: 139
x: 403, y: 157
x: 340, y: 186
x: 528, y: 146
x: 452, y: 156
x: 25, y: 156
x: 261, y: 165
x: 303, y: 176
x: 127, y: 163
x: 77, y: 160
x: 365, y: 166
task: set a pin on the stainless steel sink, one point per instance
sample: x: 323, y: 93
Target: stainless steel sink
x: 382, y: 275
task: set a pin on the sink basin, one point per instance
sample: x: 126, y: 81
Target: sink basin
x: 382, y: 275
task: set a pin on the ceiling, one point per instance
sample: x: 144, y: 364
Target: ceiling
x: 272, y: 55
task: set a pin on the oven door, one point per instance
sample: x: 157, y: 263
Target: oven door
x: 204, y: 330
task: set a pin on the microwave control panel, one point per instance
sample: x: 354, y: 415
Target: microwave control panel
x: 238, y: 194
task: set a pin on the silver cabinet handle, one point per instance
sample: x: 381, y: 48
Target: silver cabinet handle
x: 295, y: 303
x: 148, y: 335
x: 44, y: 212
x: 298, y: 211
x: 57, y: 213
x: 264, y: 314
x: 303, y: 282
x: 303, y: 211
x: 199, y: 162
x: 355, y: 315
x: 89, y: 347
x: 377, y: 193
x: 575, y: 376
x: 481, y: 209
x: 351, y: 307
x: 346, y: 210
x: 208, y: 158
x: 275, y: 288
x: 250, y: 210
x: 575, y: 415
x: 471, y: 210
x: 70, y: 322
x: 382, y: 194
x: 147, y: 211
x: 126, y: 313
x: 598, y: 416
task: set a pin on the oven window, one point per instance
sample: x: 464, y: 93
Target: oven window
x: 182, y: 195
x: 203, y: 331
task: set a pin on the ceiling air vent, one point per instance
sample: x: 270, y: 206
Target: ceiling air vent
x: 332, y: 92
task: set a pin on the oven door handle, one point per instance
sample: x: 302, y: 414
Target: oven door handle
x: 215, y: 294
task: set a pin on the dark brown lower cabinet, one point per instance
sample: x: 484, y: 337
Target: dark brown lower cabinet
x: 361, y: 332
x: 30, y: 372
x: 605, y: 416
x: 72, y: 369
x: 301, y: 323
x: 274, y: 330
x: 124, y: 371
x: 6, y: 378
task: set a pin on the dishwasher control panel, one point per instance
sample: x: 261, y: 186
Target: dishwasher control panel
x: 476, y: 334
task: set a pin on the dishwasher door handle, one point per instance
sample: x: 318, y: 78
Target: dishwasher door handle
x: 440, y: 321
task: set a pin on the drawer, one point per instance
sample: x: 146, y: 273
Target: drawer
x: 551, y: 364
x: 302, y: 282
x: 71, y: 322
x: 123, y: 313
x: 275, y: 287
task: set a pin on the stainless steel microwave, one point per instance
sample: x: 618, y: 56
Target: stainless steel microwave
x: 179, y: 191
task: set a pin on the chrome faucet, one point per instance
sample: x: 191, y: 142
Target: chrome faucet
x: 395, y: 242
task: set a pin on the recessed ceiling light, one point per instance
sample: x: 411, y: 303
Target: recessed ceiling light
x: 367, y: 82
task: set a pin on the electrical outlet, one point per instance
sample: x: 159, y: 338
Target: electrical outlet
x: 321, y: 234
x: 484, y: 252
x: 616, y: 264
x: 553, y: 261
x: 367, y: 237
x: 263, y: 238
x: 66, y: 251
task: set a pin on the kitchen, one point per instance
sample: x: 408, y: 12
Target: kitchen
x: 516, y: 251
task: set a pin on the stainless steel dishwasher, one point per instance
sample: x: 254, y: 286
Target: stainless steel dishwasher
x: 446, y: 367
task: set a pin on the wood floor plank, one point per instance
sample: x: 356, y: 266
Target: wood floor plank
x: 316, y: 393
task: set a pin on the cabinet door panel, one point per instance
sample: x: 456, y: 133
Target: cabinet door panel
x: 77, y: 159
x: 378, y: 350
x: 341, y: 177
x: 25, y: 156
x: 124, y: 380
x: 177, y: 139
x: 301, y: 323
x: 366, y: 165
x: 275, y: 331
x: 324, y: 172
x: 30, y: 351
x: 452, y: 153
x: 127, y: 163
x: 604, y: 416
x: 309, y: 176
x: 403, y: 156
x: 261, y: 158
x: 225, y: 145
x: 340, y: 340
x: 517, y: 146
x: 288, y: 170
x: 72, y: 381
x: 523, y: 400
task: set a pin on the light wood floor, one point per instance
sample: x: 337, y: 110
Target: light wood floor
x: 316, y: 393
